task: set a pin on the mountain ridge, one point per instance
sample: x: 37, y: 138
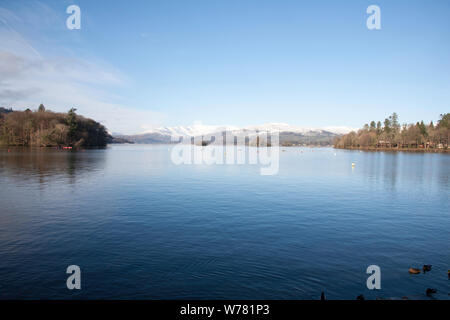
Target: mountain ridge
x: 200, y: 129
x: 289, y: 135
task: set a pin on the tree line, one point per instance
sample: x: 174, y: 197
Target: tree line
x: 44, y: 128
x: 391, y: 134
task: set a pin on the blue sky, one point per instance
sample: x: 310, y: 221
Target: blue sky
x: 138, y: 64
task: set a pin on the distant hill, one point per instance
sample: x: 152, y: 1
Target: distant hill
x: 289, y: 135
x: 315, y: 138
x: 46, y: 128
x: 118, y: 140
x: 147, y: 138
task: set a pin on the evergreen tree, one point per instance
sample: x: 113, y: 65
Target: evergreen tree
x: 71, y: 121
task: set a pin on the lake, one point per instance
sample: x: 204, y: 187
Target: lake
x: 141, y: 227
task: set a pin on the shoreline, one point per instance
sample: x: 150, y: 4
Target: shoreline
x: 415, y: 150
x: 373, y: 149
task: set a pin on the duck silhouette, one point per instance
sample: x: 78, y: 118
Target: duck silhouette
x: 426, y: 268
x: 430, y: 292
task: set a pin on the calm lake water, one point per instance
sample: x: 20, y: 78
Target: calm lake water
x: 141, y: 227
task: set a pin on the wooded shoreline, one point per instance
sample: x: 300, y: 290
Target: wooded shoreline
x: 44, y: 128
x: 392, y: 136
x: 384, y: 149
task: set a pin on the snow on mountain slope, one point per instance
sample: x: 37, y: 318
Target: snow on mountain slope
x: 192, y: 131
x: 200, y: 129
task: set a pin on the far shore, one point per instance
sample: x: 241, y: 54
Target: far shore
x: 417, y: 150
x: 384, y: 149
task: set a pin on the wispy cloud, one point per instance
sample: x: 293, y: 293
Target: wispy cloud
x: 29, y: 77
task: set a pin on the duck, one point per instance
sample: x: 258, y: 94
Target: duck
x: 430, y: 291
x: 414, y: 270
x: 426, y: 267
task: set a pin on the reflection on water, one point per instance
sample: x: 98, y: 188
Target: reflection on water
x: 44, y: 164
x: 142, y: 227
x: 421, y: 170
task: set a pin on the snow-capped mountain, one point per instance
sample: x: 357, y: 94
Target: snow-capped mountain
x: 200, y: 129
x: 190, y: 131
x: 289, y: 135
